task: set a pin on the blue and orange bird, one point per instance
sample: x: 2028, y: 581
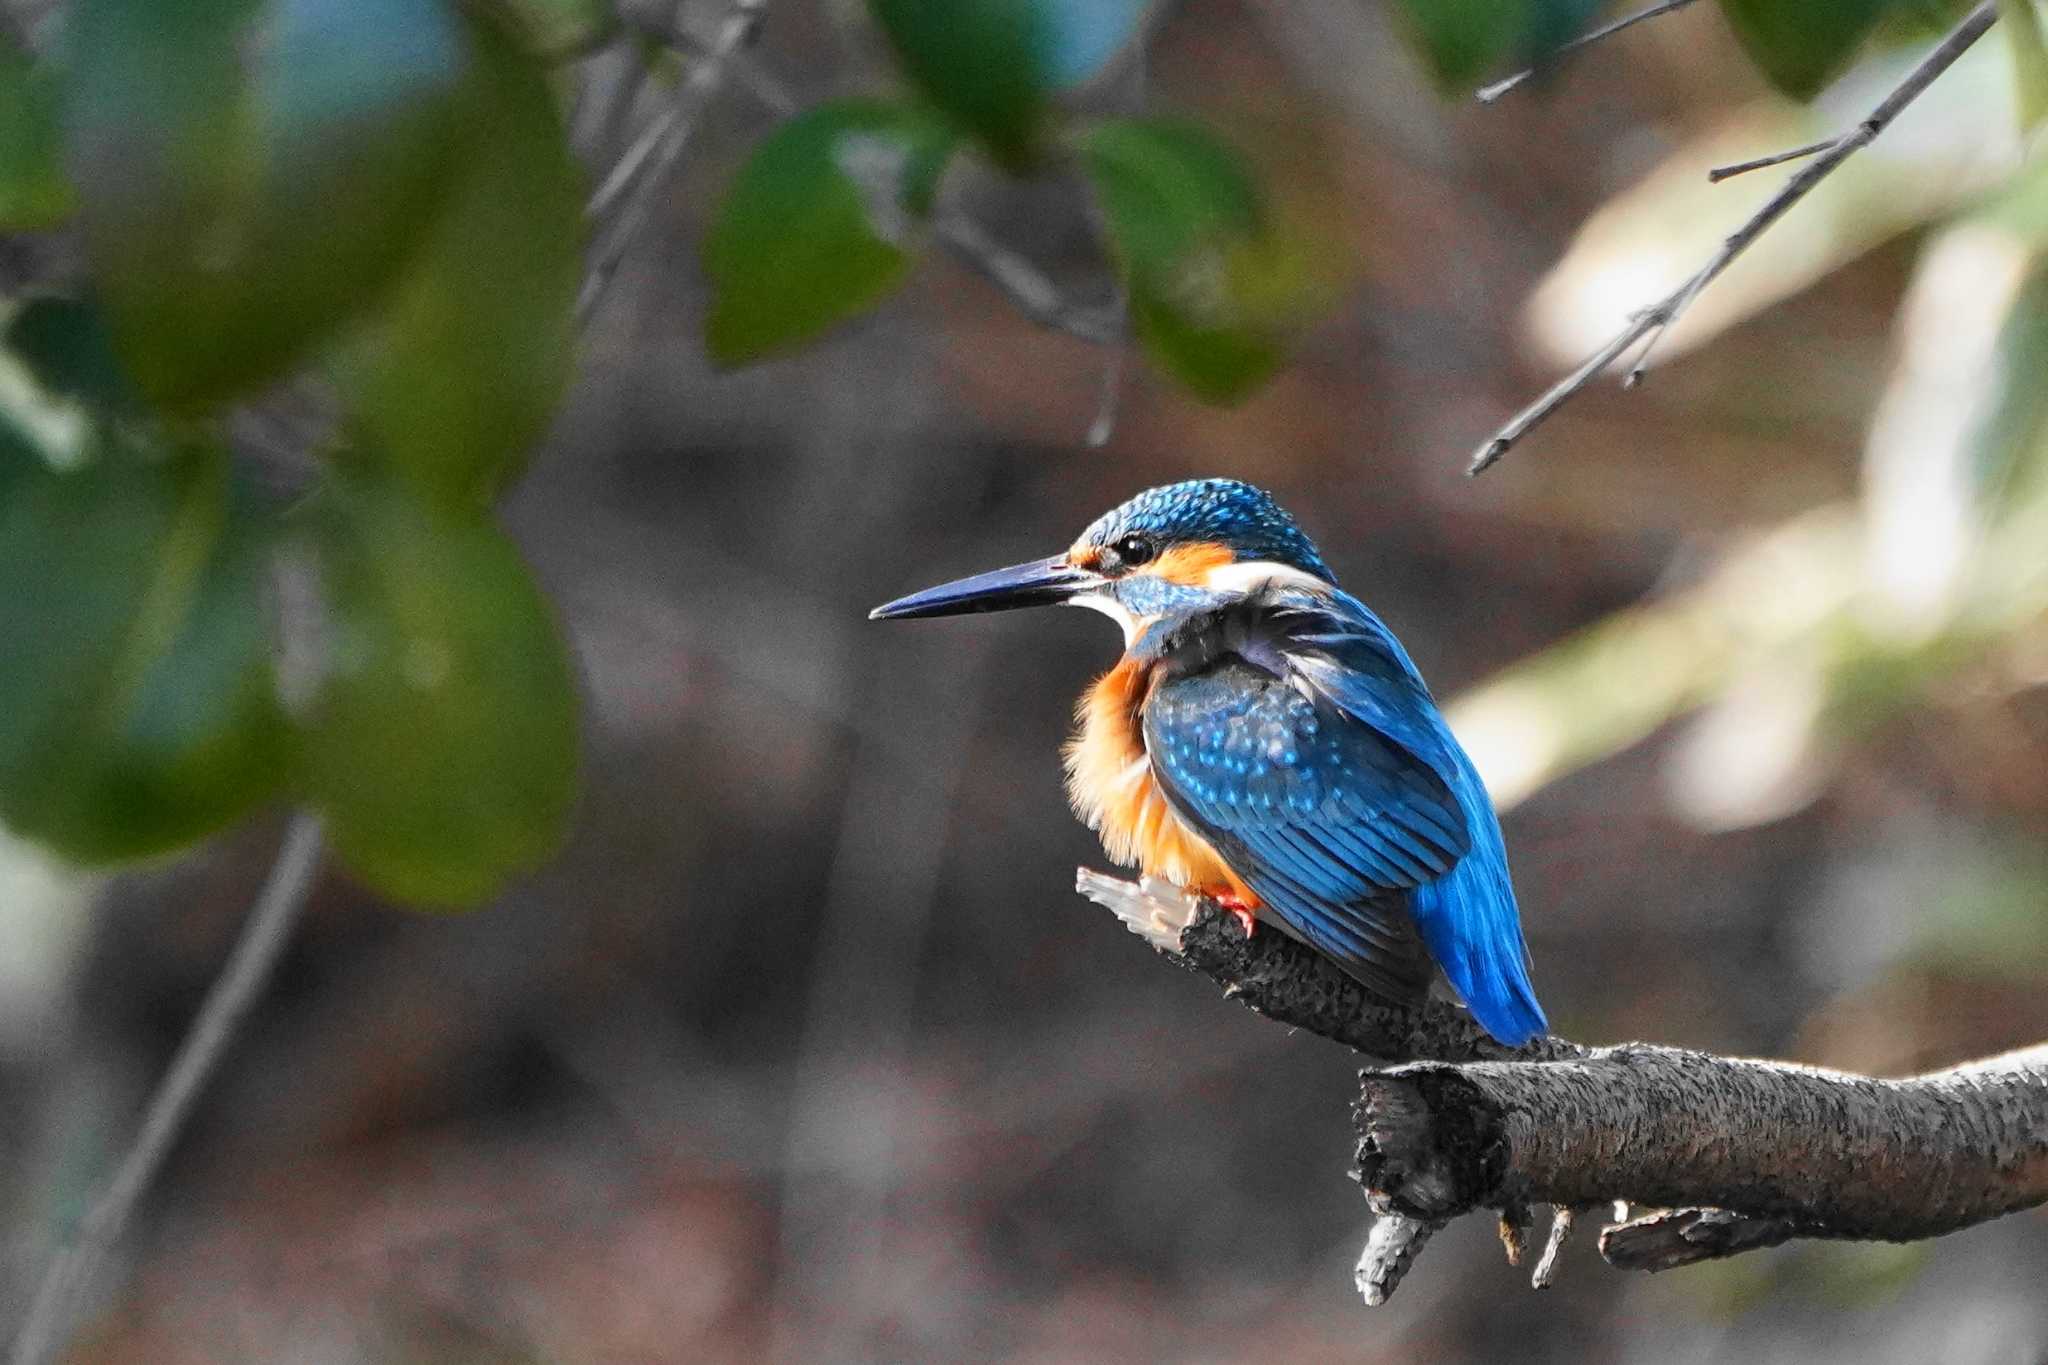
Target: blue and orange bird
x: 1267, y: 741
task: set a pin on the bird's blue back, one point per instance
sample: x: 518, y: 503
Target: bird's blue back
x: 1320, y: 766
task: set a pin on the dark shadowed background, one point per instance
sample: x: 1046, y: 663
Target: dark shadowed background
x: 805, y: 1049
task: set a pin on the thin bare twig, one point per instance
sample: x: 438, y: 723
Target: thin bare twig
x: 1720, y: 173
x: 1545, y: 1274
x: 1391, y: 1249
x: 240, y: 983
x: 625, y: 172
x: 1488, y: 94
x: 700, y: 83
x: 1107, y: 398
x: 1029, y: 289
x: 1648, y: 326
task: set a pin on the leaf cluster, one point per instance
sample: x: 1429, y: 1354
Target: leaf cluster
x: 832, y: 210
x: 376, y: 197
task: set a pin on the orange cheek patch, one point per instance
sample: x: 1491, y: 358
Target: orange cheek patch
x: 1190, y: 564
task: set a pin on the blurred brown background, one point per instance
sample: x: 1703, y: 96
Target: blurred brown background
x: 806, y: 1051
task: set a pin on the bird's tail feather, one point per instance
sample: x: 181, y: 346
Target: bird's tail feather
x: 1469, y: 920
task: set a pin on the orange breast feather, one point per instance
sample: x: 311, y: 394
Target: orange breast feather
x: 1111, y: 787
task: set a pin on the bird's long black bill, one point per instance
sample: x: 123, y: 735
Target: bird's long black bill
x: 1040, y: 583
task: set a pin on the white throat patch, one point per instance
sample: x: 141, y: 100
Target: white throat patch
x: 1133, y: 625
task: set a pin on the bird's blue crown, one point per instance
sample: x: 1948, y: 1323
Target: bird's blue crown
x: 1225, y: 511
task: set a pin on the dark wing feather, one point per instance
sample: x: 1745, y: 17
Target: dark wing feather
x: 1325, y: 817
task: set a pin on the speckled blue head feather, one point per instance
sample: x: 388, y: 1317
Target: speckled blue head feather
x: 1225, y: 511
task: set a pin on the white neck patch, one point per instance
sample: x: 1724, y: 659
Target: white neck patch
x: 1248, y: 576
x: 1238, y: 580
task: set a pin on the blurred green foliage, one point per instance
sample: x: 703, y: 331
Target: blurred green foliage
x: 1801, y: 47
x: 33, y: 190
x: 143, y: 714
x: 254, y: 172
x: 2029, y: 57
x: 994, y: 66
x: 383, y: 188
x: 817, y: 225
x: 1212, y: 286
x: 458, y: 373
x: 820, y: 224
x: 1461, y: 40
x: 441, y: 739
x: 554, y: 29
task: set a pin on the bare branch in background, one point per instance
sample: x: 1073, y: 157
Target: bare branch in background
x: 1029, y: 289
x: 1732, y: 1154
x: 701, y: 82
x: 1108, y: 397
x: 1488, y: 94
x: 263, y: 938
x: 1720, y: 173
x: 1647, y: 326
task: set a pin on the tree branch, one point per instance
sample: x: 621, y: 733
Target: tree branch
x: 1732, y: 1154
x: 1771, y: 1150
x: 1720, y: 173
x: 1029, y: 289
x: 234, y: 991
x: 638, y: 178
x: 1649, y: 325
x: 1292, y: 984
x: 1488, y: 94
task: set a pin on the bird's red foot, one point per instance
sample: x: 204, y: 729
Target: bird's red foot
x: 1240, y: 908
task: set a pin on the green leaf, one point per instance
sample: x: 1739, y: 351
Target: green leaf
x: 1462, y: 40
x: 984, y: 62
x: 34, y: 192
x: 818, y: 224
x: 54, y: 367
x: 1801, y: 45
x: 138, y: 688
x: 1550, y: 24
x: 1213, y: 285
x: 441, y: 743
x: 2022, y: 24
x: 1218, y: 364
x: 459, y: 371
x: 253, y: 172
x: 65, y: 345
x: 556, y: 29
x: 994, y: 66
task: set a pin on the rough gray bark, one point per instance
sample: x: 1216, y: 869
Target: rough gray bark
x: 1732, y: 1154
x: 1272, y: 974
x: 1796, y: 1150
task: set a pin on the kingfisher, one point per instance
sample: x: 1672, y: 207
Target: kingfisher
x: 1267, y: 742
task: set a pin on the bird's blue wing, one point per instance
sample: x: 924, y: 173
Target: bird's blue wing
x: 1347, y: 658
x: 1323, y: 815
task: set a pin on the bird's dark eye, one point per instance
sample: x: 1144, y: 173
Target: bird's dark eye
x: 1132, y: 551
